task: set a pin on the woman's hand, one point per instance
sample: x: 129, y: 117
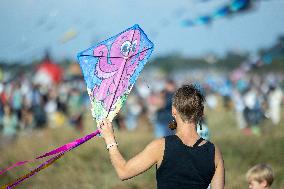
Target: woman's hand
x: 107, y: 131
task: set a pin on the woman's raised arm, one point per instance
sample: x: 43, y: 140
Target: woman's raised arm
x: 152, y: 153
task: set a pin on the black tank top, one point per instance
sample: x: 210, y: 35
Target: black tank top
x: 185, y: 167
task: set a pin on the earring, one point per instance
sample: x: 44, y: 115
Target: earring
x: 173, y: 124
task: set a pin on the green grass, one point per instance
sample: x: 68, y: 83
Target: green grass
x: 89, y: 166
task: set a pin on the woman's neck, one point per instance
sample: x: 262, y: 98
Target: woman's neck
x: 186, y: 131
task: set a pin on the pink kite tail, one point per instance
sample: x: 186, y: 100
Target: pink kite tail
x: 33, y: 172
x: 15, y: 165
x: 51, y: 160
x: 63, y: 148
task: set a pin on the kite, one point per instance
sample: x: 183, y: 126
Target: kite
x: 110, y: 70
x: 231, y: 8
x: 68, y: 35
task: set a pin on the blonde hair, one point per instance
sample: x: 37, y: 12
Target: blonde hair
x: 261, y: 172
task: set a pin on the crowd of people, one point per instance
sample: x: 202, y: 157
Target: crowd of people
x: 254, y: 98
x: 25, y: 105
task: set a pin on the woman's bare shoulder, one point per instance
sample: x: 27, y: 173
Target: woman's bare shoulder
x: 157, y: 148
x: 157, y: 144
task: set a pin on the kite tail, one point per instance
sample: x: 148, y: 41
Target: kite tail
x: 39, y: 168
x: 59, y: 151
x: 63, y: 148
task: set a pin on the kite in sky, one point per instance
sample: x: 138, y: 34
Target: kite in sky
x: 233, y: 7
x: 110, y: 70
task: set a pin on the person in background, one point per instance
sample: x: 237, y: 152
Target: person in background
x: 163, y: 114
x: 50, y: 107
x: 260, y: 176
x: 134, y: 109
x: 75, y: 109
x: 10, y: 124
x: 17, y: 100
x: 239, y: 108
x: 253, y: 112
x: 274, y: 104
x: 184, y: 160
x: 39, y: 114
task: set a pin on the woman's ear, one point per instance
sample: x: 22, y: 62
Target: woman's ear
x: 174, y: 111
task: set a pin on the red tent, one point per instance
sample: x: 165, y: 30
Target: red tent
x: 48, y: 73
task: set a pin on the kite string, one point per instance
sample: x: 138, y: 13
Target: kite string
x: 63, y: 149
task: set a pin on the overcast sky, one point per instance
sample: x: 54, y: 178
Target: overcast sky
x: 28, y: 27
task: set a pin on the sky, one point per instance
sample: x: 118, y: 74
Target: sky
x: 29, y: 27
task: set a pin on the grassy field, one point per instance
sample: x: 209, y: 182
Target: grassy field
x: 89, y: 167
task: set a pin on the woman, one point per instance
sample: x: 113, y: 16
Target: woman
x: 183, y: 160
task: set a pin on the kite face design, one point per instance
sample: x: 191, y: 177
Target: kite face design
x: 111, y: 68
